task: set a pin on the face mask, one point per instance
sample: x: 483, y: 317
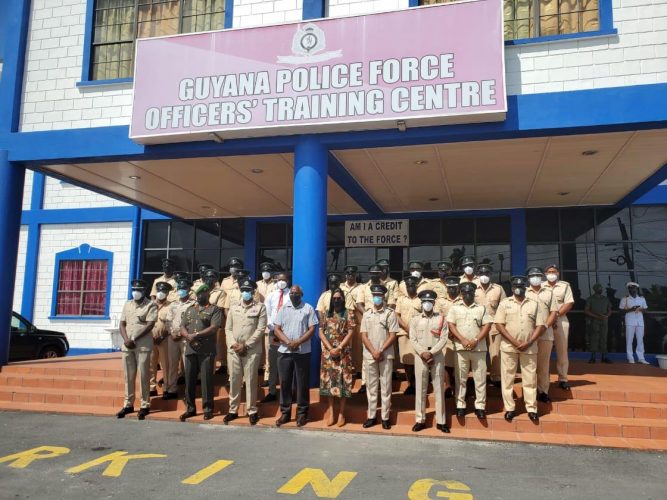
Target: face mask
x: 282, y: 284
x: 182, y: 293
x: 266, y: 275
x: 203, y: 300
x: 468, y: 298
x: 246, y: 296
x: 519, y: 291
x: 137, y: 294
x: 411, y: 290
x: 161, y: 295
x: 337, y: 302
x: 468, y: 270
x: 233, y: 270
x: 295, y: 298
x: 551, y: 277
x: 484, y: 280
x: 535, y: 280
x: 452, y: 292
x: 427, y: 306
x: 416, y: 274
x: 377, y: 300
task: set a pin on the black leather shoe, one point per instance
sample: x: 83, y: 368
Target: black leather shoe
x: 169, y: 395
x: 221, y: 370
x: 141, y: 414
x: 187, y: 414
x: 153, y: 393
x: 409, y: 391
x: 443, y: 428
x: 460, y: 412
x: 284, y: 418
x: 605, y: 359
x: 253, y: 418
x: 564, y: 385
x: 369, y: 423
x: 181, y: 380
x: 264, y: 384
x: 533, y: 416
x: 495, y: 383
x: 480, y: 414
x: 229, y: 417
x: 419, y: 426
x: 386, y: 425
x: 509, y: 415
x: 543, y: 397
x: 301, y: 420
x: 125, y: 411
x: 208, y: 415
x: 269, y: 398
x: 449, y: 393
x: 362, y: 389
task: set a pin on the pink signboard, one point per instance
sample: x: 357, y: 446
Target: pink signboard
x: 415, y: 67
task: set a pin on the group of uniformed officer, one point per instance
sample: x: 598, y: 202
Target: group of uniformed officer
x: 443, y: 327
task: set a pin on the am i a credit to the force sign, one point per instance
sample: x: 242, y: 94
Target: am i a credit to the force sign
x: 377, y: 233
x: 425, y: 66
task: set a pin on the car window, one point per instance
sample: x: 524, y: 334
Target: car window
x: 17, y: 324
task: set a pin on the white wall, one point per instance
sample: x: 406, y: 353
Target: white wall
x: 20, y: 269
x: 62, y: 195
x: 27, y: 189
x: 638, y: 55
x: 113, y: 237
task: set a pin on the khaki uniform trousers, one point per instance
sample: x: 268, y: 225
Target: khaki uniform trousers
x: 221, y: 345
x: 508, y: 367
x: 379, y: 380
x: 243, y: 368
x: 133, y: 361
x: 265, y: 356
x: 176, y: 358
x: 160, y: 355
x: 475, y: 361
x: 561, y: 335
x: 357, y: 354
x: 544, y: 348
x: 437, y: 373
x: 494, y: 357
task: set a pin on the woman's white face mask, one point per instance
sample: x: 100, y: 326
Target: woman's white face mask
x: 552, y: 277
x: 427, y: 306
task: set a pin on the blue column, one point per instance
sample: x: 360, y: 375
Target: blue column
x: 11, y: 199
x: 519, y: 241
x: 250, y: 246
x: 310, y: 229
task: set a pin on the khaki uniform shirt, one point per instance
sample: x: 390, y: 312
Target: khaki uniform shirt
x: 406, y: 308
x: 233, y: 297
x: 325, y: 301
x: 439, y: 287
x: 353, y: 290
x: 264, y: 288
x: 365, y: 297
x: 136, y: 316
x: 217, y: 297
x: 562, y: 293
x: 197, y: 318
x: 464, y: 279
x: 378, y: 325
x: 161, y: 330
x: 469, y: 321
x: 546, y: 297
x: 246, y: 324
x: 392, y: 289
x: 520, y: 319
x: 423, y: 284
x: 444, y: 304
x: 428, y: 333
x: 172, y: 295
x: 174, y: 316
x: 490, y: 298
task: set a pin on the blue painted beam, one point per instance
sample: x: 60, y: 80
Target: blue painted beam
x: 654, y: 180
x: 250, y: 246
x: 82, y: 216
x: 519, y: 241
x: 656, y: 196
x: 349, y: 184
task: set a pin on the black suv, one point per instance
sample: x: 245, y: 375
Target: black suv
x: 29, y: 342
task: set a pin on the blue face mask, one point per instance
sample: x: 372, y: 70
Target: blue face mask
x: 246, y: 296
x: 377, y: 300
x: 182, y: 293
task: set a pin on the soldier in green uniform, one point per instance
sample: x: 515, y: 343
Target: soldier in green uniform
x: 597, y: 311
x: 199, y: 326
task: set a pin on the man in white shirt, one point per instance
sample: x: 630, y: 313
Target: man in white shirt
x: 274, y: 302
x: 634, y: 305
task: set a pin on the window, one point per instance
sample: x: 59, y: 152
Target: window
x: 82, y: 283
x: 538, y: 18
x: 117, y: 23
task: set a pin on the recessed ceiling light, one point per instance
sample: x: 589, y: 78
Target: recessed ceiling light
x: 135, y: 177
x: 590, y: 152
x: 421, y: 162
x: 433, y: 199
x: 563, y: 193
x: 257, y: 171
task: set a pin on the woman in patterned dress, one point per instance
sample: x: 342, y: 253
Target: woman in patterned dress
x: 336, y: 370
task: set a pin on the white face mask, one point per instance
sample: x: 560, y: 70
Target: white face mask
x: 266, y: 275
x: 232, y: 270
x: 137, y: 294
x: 468, y: 270
x: 535, y: 280
x: 551, y: 277
x: 416, y: 274
x: 282, y: 284
x: 427, y: 306
x: 484, y: 280
x: 161, y: 295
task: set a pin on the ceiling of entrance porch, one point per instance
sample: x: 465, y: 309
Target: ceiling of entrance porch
x: 593, y: 169
x: 191, y: 188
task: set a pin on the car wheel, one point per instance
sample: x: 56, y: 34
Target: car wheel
x: 50, y: 351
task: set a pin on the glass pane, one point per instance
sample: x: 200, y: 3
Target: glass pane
x: 615, y: 257
x: 272, y: 235
x: 649, y: 223
x: 94, y: 304
x: 542, y: 225
x: 207, y: 234
x: 493, y: 230
x: 499, y: 256
x: 522, y: 9
x: 336, y: 234
x: 568, y: 5
x: 206, y: 256
x: 578, y: 256
x: 577, y: 224
x: 548, y: 25
x: 590, y: 21
x: 457, y: 230
x: 542, y: 255
x: 569, y: 23
x: 654, y: 288
x: 582, y: 284
x: 425, y: 232
x: 335, y: 259
x: 182, y: 235
x: 233, y: 233
x: 156, y: 234
x: 152, y: 262
x: 456, y: 252
x: 615, y: 285
x: 276, y: 256
x: 360, y: 257
x: 650, y: 256
x: 429, y: 255
x: 613, y: 224
x: 226, y: 254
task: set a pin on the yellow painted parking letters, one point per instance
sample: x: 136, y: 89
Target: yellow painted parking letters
x: 207, y: 472
x: 421, y: 489
x: 117, y: 462
x: 322, y: 486
x: 22, y: 459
